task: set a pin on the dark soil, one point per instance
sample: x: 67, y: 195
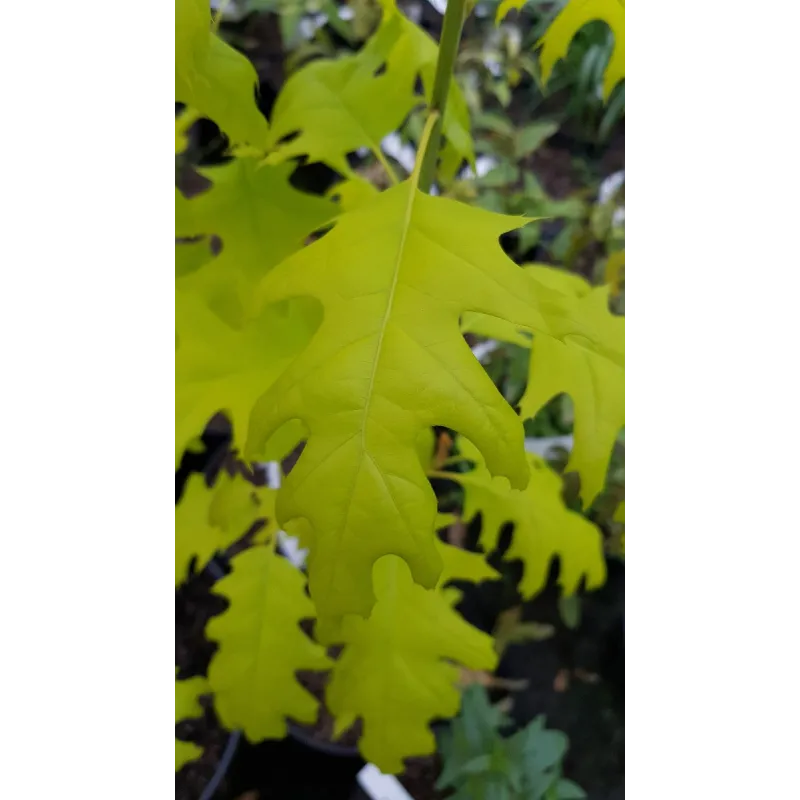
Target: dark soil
x: 194, y: 606
x: 207, y: 732
x: 291, y: 770
x: 420, y: 777
x: 322, y: 730
x: 576, y: 678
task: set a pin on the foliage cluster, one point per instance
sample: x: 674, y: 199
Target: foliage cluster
x: 338, y: 322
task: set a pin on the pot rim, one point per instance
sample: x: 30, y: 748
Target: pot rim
x: 223, y: 766
x: 330, y: 748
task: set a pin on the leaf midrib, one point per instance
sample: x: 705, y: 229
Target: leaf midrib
x: 387, y: 313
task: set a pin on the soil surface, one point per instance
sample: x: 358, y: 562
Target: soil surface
x: 420, y: 777
x: 192, y: 779
x: 322, y: 730
x: 576, y: 677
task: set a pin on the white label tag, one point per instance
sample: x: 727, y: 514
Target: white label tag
x: 381, y: 787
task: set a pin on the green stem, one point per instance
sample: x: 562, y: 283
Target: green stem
x: 387, y: 167
x: 454, y: 17
x: 216, y: 20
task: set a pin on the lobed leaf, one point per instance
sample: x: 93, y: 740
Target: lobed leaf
x: 543, y: 526
x: 480, y: 763
x: 505, y: 7
x: 556, y: 39
x: 494, y: 328
x: 187, y: 706
x: 261, y: 646
x: 330, y: 108
x: 588, y: 364
x: 192, y: 28
x: 218, y: 368
x: 352, y: 193
x: 213, y: 78
x: 191, y: 256
x: 462, y: 565
x: 459, y: 565
x: 260, y: 218
x: 208, y: 520
x: 183, y: 122
x: 398, y: 669
x: 387, y: 361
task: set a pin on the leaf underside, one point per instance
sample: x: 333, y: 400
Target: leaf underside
x: 387, y: 361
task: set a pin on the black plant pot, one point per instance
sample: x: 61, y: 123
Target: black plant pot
x: 295, y: 768
x: 333, y: 749
x: 204, y: 778
x: 226, y: 759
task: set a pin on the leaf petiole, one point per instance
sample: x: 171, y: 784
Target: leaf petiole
x: 425, y: 147
x: 454, y: 17
x: 217, y: 18
x: 384, y: 162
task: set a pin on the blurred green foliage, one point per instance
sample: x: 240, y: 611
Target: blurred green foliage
x: 479, y: 763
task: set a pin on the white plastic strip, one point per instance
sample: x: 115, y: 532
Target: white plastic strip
x: 289, y: 544
x: 541, y: 447
x: 439, y: 5
x: 231, y: 10
x: 483, y: 350
x: 379, y: 786
x: 403, y: 154
x: 483, y: 165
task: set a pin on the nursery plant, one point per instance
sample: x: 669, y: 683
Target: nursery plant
x: 481, y: 763
x: 338, y: 322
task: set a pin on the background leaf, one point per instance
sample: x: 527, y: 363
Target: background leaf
x: 543, y: 526
x: 585, y: 360
x: 556, y: 40
x: 589, y: 366
x: 187, y: 706
x: 260, y: 218
x: 261, y: 646
x: 531, y: 137
x: 218, y: 368
x: 213, y: 78
x: 212, y: 519
x: 330, y: 108
x: 394, y: 671
x: 459, y: 564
